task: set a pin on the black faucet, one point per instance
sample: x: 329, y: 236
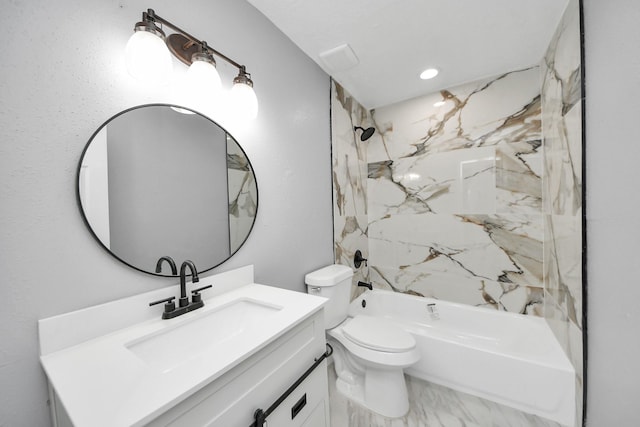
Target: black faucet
x: 366, y: 285
x: 170, y: 261
x: 184, y: 306
x: 184, y: 300
x: 358, y: 259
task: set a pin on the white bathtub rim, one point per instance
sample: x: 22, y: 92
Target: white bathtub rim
x: 557, y: 360
x: 562, y: 363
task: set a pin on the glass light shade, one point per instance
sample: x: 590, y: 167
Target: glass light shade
x: 148, y: 59
x: 204, y: 76
x: 245, y: 102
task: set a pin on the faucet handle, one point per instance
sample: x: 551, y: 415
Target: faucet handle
x: 196, y: 297
x: 195, y: 291
x: 169, y: 306
x: 358, y: 259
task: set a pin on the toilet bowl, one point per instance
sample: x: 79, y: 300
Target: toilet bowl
x: 370, y: 353
x: 370, y: 367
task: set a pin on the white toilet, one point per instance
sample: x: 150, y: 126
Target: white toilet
x: 369, y: 353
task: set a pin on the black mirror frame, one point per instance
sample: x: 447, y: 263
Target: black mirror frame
x: 86, y: 220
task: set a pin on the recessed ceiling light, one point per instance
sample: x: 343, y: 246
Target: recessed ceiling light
x: 429, y: 73
x: 439, y: 104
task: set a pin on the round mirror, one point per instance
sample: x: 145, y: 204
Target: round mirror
x: 164, y: 181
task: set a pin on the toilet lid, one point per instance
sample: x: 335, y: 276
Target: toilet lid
x: 378, y: 334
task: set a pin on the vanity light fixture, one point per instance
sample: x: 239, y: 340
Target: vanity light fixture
x: 202, y: 71
x: 146, y: 55
x: 148, y: 59
x: 243, y: 96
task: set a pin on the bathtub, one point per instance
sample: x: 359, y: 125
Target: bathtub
x: 507, y: 358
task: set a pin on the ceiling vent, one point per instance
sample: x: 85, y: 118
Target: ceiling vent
x: 339, y: 58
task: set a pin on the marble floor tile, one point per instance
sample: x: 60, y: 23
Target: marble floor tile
x: 431, y: 405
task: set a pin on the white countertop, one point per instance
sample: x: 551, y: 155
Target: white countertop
x: 101, y: 382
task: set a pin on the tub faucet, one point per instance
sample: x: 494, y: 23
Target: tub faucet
x: 366, y: 285
x: 358, y: 259
x: 433, y: 311
x: 184, y: 300
x: 170, y: 261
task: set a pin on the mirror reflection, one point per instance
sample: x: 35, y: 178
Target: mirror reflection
x: 157, y: 181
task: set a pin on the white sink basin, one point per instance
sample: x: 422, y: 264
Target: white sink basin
x: 177, y: 344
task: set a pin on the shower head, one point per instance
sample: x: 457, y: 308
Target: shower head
x: 366, y: 133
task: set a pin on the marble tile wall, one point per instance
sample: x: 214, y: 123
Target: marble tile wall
x: 349, y: 174
x: 562, y: 189
x: 454, y: 194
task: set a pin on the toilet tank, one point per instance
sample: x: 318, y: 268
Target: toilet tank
x: 333, y: 282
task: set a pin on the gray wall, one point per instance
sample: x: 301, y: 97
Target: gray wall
x: 612, y: 40
x: 62, y: 75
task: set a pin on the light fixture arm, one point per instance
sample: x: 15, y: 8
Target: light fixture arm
x: 150, y: 15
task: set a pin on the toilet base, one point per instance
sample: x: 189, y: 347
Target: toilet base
x: 382, y: 392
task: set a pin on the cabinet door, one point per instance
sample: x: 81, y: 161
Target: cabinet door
x: 318, y: 417
x: 58, y: 412
x: 305, y: 406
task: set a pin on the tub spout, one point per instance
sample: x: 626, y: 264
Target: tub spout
x: 366, y: 285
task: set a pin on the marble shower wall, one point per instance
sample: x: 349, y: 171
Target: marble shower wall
x: 562, y: 189
x: 455, y: 195
x: 349, y: 174
x: 453, y: 205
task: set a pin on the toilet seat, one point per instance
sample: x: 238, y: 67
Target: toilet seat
x: 377, y: 334
x: 382, y: 359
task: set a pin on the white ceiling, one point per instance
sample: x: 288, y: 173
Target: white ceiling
x: 395, y: 40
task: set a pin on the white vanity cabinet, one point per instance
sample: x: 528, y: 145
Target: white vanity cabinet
x: 113, y: 366
x: 256, y: 383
